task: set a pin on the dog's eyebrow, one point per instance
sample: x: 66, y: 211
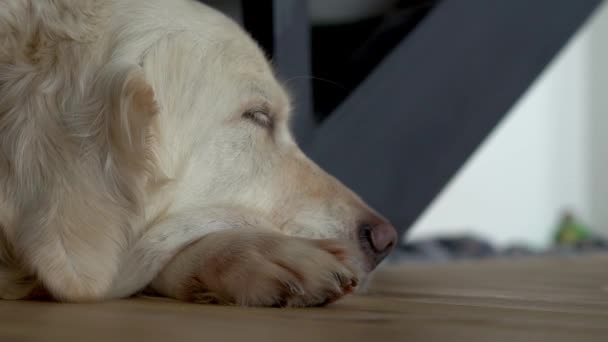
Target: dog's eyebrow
x: 261, y: 99
x: 258, y: 90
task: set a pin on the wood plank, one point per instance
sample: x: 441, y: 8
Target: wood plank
x: 529, y: 299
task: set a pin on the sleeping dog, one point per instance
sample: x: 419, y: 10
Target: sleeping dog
x: 144, y: 144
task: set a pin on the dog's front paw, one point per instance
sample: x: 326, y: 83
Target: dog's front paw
x: 267, y: 269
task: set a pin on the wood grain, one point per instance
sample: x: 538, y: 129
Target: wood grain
x: 533, y: 299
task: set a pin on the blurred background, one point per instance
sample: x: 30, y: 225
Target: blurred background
x: 475, y: 126
x: 550, y: 154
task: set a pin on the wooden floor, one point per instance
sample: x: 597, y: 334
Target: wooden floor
x: 527, y: 299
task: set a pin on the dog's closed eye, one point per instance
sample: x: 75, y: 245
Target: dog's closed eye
x: 260, y: 117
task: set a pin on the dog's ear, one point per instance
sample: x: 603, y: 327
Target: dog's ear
x: 130, y: 120
x: 111, y: 172
x: 77, y: 146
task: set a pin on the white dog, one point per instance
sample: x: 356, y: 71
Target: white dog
x: 145, y: 144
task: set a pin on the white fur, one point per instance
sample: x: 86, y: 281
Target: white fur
x: 123, y: 143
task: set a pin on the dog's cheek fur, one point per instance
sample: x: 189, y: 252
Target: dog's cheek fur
x: 74, y: 158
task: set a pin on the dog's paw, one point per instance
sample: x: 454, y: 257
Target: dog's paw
x: 267, y: 269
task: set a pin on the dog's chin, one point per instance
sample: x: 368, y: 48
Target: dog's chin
x: 365, y: 274
x: 364, y: 283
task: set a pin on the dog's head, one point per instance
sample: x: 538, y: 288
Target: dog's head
x: 226, y: 142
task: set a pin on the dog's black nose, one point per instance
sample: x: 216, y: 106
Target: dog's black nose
x: 377, y: 240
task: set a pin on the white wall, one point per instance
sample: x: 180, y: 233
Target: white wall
x: 598, y: 59
x: 543, y: 157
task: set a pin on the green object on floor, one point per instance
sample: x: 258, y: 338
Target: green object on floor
x: 571, y: 231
